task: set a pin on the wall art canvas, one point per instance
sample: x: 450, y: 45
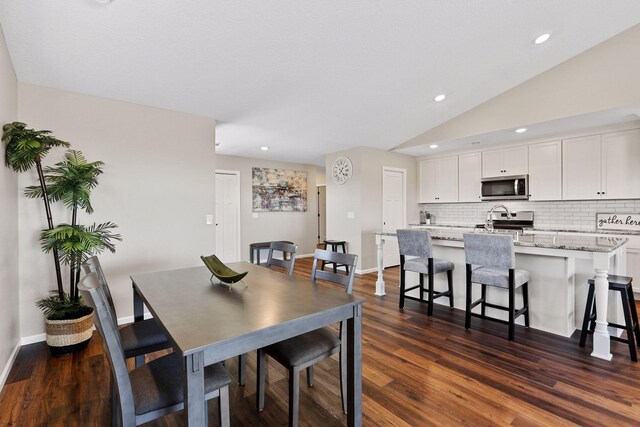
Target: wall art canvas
x: 279, y: 190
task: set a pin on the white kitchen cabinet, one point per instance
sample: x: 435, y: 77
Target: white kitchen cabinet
x: 469, y: 176
x: 621, y: 165
x: 505, y: 162
x: 602, y: 166
x: 438, y: 180
x: 545, y: 171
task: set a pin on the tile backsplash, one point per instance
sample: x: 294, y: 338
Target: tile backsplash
x: 570, y: 215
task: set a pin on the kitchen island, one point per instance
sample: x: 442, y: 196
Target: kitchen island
x: 560, y: 265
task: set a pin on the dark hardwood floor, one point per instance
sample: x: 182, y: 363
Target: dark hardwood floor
x: 416, y: 371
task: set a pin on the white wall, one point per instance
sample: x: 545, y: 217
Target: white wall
x: 158, y: 185
x: 601, y: 78
x: 298, y: 227
x: 362, y: 195
x: 9, y: 277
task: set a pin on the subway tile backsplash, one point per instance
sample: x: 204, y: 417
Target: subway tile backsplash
x: 573, y: 215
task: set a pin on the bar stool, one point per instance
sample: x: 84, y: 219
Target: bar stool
x: 417, y: 243
x: 623, y: 285
x: 334, y: 248
x: 491, y: 261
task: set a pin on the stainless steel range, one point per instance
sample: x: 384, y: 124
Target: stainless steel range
x: 519, y: 221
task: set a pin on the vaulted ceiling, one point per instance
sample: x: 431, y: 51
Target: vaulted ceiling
x: 303, y: 77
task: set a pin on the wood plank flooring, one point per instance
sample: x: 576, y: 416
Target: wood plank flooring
x: 417, y: 371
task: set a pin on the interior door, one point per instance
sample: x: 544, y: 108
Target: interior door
x: 392, y: 212
x: 228, y: 216
x: 322, y: 213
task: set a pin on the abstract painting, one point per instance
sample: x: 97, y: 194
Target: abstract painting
x: 279, y: 190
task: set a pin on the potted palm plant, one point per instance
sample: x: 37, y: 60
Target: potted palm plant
x: 68, y: 321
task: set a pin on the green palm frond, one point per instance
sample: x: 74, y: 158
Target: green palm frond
x: 56, y: 308
x: 75, y: 244
x: 70, y: 181
x: 25, y: 146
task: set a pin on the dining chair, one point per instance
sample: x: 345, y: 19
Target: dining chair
x: 156, y: 388
x: 491, y: 261
x: 285, y: 248
x: 138, y: 338
x: 303, y: 351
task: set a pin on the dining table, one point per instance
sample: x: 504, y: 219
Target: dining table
x: 208, y: 323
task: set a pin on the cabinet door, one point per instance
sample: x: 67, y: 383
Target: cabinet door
x: 427, y: 180
x: 469, y: 174
x: 515, y: 161
x: 492, y: 163
x: 447, y: 179
x: 545, y: 171
x: 581, y: 168
x: 621, y: 165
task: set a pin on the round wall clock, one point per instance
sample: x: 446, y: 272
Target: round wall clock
x: 341, y: 170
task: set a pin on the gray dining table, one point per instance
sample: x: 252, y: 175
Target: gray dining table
x: 208, y: 323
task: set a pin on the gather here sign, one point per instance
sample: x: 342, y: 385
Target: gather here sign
x: 626, y: 222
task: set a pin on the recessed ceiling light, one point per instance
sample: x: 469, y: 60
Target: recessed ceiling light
x: 440, y: 97
x: 433, y: 146
x: 521, y: 130
x: 103, y: 1
x: 542, y: 38
x: 264, y: 148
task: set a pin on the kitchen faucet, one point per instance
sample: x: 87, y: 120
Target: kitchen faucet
x: 488, y: 224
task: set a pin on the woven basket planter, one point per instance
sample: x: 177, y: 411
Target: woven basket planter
x: 69, y: 336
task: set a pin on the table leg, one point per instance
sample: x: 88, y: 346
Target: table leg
x: 250, y: 254
x: 193, y: 382
x: 138, y: 307
x: 354, y: 368
x: 380, y: 282
x: 601, y: 338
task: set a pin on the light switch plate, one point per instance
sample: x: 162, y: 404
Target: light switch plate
x: 209, y: 219
x: 254, y: 215
x: 350, y: 215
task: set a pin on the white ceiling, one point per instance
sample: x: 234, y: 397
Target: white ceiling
x: 304, y: 77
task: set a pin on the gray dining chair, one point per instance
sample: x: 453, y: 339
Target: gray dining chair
x: 156, y: 388
x: 417, y: 243
x: 284, y: 248
x: 288, y: 264
x: 303, y: 351
x: 491, y: 261
x: 138, y: 338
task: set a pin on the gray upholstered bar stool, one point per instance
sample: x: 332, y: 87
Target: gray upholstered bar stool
x: 417, y: 243
x: 491, y: 261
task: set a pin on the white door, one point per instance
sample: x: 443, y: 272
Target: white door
x: 515, y: 161
x: 393, y: 211
x: 322, y: 213
x: 621, y: 165
x: 228, y: 216
x: 581, y: 160
x: 545, y: 171
x: 469, y: 173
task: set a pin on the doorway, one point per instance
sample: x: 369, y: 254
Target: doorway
x: 394, y: 195
x: 322, y: 213
x: 228, y: 215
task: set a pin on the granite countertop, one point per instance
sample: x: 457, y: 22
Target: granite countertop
x: 544, y: 230
x: 548, y: 241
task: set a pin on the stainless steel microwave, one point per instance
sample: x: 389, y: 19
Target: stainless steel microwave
x: 506, y: 188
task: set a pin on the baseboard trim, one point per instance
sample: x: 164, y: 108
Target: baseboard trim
x: 130, y: 319
x: 367, y: 270
x: 32, y: 339
x: 9, y: 365
x: 305, y: 256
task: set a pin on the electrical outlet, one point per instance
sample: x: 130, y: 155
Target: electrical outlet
x: 254, y: 215
x: 209, y: 219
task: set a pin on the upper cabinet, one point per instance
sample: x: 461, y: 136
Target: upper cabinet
x: 545, y: 171
x: 602, y: 166
x: 438, y: 180
x: 505, y: 162
x: 469, y: 176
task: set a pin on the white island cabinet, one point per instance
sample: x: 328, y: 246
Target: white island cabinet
x: 560, y: 265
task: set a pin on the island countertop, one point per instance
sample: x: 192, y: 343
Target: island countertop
x: 571, y: 242
x: 539, y: 230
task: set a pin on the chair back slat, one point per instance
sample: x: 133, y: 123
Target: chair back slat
x: 92, y: 265
x: 94, y: 296
x: 350, y: 260
x: 284, y: 248
x: 489, y: 250
x: 415, y: 242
